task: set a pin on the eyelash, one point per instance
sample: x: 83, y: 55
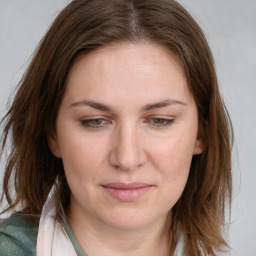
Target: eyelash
x: 163, y: 121
x: 89, y: 123
x: 157, y: 122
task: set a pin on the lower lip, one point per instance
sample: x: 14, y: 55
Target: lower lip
x: 128, y: 195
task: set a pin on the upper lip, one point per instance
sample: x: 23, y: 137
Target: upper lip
x: 126, y: 186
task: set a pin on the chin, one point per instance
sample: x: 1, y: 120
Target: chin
x: 132, y: 220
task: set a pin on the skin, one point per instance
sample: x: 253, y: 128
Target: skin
x: 126, y: 137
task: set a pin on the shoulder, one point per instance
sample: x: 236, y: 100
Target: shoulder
x: 18, y: 235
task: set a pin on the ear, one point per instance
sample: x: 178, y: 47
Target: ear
x: 199, y: 146
x: 199, y: 143
x: 54, y: 145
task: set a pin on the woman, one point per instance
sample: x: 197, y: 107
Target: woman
x: 121, y: 144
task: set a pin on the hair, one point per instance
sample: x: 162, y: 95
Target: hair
x: 82, y: 27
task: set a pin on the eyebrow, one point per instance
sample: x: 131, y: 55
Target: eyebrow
x: 92, y: 104
x: 162, y: 104
x: 148, y: 107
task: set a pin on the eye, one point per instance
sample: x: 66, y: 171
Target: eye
x: 160, y: 122
x: 94, y: 122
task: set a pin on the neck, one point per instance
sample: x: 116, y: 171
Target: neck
x: 98, y: 239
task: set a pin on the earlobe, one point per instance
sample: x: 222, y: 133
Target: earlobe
x: 199, y: 146
x: 54, y: 145
x: 200, y: 139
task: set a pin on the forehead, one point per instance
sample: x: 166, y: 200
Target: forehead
x: 126, y: 69
x: 149, y: 53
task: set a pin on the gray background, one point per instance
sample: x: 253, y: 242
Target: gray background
x: 230, y: 26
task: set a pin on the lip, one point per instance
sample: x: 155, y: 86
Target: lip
x: 127, y: 192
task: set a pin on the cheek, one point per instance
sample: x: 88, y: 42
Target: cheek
x: 172, y: 158
x: 81, y: 165
x: 81, y: 157
x: 176, y: 151
x: 172, y: 161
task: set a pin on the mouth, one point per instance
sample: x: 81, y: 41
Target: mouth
x: 127, y: 192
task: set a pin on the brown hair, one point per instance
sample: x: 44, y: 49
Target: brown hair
x: 83, y: 26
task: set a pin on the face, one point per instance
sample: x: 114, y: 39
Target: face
x: 126, y: 133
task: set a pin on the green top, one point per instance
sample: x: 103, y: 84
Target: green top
x: 18, y: 236
x: 72, y: 238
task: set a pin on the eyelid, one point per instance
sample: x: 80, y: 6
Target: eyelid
x: 156, y: 121
x: 165, y: 117
x: 166, y: 121
x: 85, y: 121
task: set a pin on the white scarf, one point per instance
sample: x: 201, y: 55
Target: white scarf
x: 52, y: 239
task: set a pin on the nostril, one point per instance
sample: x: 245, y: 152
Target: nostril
x: 127, y: 151
x: 127, y: 162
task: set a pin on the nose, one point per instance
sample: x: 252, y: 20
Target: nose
x: 127, y: 149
